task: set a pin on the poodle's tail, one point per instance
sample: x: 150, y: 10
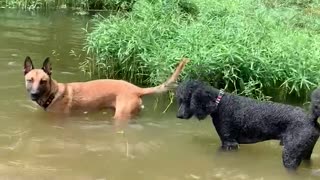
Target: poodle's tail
x: 315, y: 104
x: 165, y: 86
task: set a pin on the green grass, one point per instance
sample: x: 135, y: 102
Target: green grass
x: 252, y: 47
x: 78, y: 4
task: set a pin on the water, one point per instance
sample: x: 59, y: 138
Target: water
x: 158, y: 146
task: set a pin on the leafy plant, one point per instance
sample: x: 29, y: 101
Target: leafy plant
x: 116, y: 5
x: 242, y: 45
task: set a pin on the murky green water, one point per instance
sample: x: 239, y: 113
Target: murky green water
x: 160, y: 147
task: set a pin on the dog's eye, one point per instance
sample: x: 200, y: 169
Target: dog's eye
x: 30, y: 80
x: 43, y: 82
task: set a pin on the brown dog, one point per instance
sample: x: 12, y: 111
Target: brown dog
x: 120, y: 95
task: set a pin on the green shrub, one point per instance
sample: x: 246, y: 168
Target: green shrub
x: 241, y: 45
x: 81, y: 4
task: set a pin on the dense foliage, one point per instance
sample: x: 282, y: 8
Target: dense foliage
x: 253, y: 47
x: 79, y: 4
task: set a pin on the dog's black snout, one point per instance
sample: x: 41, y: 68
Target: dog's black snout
x: 35, y: 95
x: 183, y: 115
x: 180, y: 116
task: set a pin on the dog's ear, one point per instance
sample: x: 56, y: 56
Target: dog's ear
x: 202, y: 102
x: 46, y: 67
x: 28, y: 65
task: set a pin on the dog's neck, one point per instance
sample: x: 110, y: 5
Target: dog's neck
x: 219, y: 97
x: 49, y: 96
x: 217, y: 101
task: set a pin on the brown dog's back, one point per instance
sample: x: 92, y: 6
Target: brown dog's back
x: 111, y: 89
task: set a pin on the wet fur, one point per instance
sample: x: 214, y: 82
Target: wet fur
x: 242, y: 120
x: 120, y: 95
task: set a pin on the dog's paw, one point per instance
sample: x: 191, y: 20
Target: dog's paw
x: 230, y: 146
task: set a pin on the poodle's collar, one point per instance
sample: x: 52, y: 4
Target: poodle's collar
x: 219, y: 97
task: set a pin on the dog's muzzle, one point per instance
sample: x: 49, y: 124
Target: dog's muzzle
x: 180, y: 116
x: 183, y: 114
x: 34, y: 96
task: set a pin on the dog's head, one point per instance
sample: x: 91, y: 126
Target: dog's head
x: 195, y: 99
x: 37, y: 80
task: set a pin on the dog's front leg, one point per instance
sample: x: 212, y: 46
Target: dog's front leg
x: 227, y: 134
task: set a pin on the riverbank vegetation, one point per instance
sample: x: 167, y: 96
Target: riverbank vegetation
x: 109, y: 5
x: 252, y: 47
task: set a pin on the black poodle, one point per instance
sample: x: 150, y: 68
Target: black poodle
x: 242, y: 120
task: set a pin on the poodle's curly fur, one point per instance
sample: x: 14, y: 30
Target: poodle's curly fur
x: 242, y: 120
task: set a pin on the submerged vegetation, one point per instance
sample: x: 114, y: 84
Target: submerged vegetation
x: 74, y: 4
x: 252, y: 47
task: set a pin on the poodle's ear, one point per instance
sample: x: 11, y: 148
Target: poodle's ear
x: 202, y: 102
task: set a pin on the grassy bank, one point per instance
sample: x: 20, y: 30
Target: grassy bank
x: 254, y: 47
x: 74, y: 4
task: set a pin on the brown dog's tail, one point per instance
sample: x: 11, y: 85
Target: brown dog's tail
x: 165, y: 86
